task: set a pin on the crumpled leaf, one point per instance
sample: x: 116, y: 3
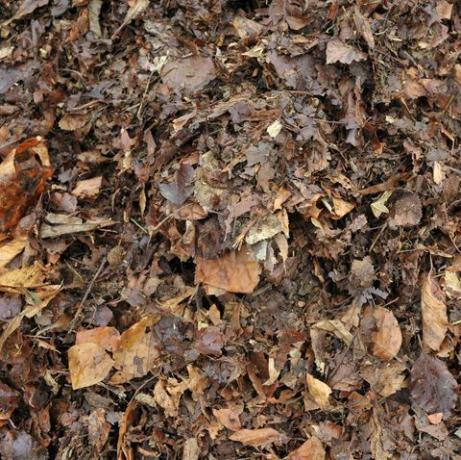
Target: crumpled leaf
x: 167, y: 394
x: 433, y: 386
x: 137, y: 352
x: 319, y: 391
x: 189, y: 75
x: 387, y: 339
x: 236, y: 271
x: 337, y: 51
x: 434, y: 313
x: 89, y: 364
x: 311, y: 449
x: 260, y: 437
x: 22, y: 180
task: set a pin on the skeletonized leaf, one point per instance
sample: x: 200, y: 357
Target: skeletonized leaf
x: 434, y: 313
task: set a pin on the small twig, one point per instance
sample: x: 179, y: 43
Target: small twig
x: 377, y: 237
x: 87, y: 293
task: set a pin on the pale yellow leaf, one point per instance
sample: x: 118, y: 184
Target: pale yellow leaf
x: 319, y: 391
x: 9, y: 250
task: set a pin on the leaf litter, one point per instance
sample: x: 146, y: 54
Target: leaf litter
x: 229, y: 229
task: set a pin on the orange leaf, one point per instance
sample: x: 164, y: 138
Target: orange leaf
x: 434, y: 312
x: 235, y: 271
x: 22, y: 180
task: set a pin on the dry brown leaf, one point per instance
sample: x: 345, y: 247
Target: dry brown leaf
x: 387, y: 340
x: 74, y: 225
x: 107, y: 337
x: 312, y: 449
x: 363, y: 27
x: 73, y: 121
x: 236, y: 271
x: 88, y: 188
x: 137, y: 351
x: 341, y: 207
x: 434, y: 313
x: 337, y: 51
x: 94, y: 9
x: 319, y: 391
x: 133, y: 12
x: 10, y: 249
x: 89, y: 364
x: 229, y: 418
x: 260, y: 437
x: 167, y: 394
x: 191, y: 450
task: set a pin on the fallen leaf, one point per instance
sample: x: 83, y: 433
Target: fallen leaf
x: 236, y: 271
x: 26, y: 7
x: 105, y: 336
x: 88, y: 188
x: 23, y: 175
x: 191, y: 450
x: 74, y: 225
x: 89, y: 364
x: 274, y: 129
x: 363, y: 27
x: 229, y: 418
x: 387, y: 339
x: 137, y: 7
x: 10, y: 249
x: 189, y: 75
x: 98, y: 429
x: 337, y: 51
x: 94, y: 10
x: 341, y: 207
x: 434, y: 313
x: 406, y: 212
x: 312, y: 449
x: 432, y: 385
x: 167, y: 394
x: 178, y: 191
x: 319, y: 391
x: 137, y: 352
x: 260, y: 437
x: 73, y: 121
x: 22, y: 278
x: 379, y: 207
x: 436, y: 418
x: 452, y: 284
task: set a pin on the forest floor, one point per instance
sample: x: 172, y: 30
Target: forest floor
x: 230, y: 229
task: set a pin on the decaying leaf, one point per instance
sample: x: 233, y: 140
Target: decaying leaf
x: 319, y: 391
x: 64, y: 224
x: 89, y: 364
x: 433, y: 386
x: 312, y: 449
x: 235, y: 271
x: 406, y: 212
x: 73, y: 121
x: 434, y: 313
x: 387, y: 339
x: 261, y: 437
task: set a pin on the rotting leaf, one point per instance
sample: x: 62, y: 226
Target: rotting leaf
x: 434, y: 313
x: 236, y: 271
x: 406, y: 212
x: 261, y: 437
x: 432, y: 385
x: 178, y: 191
x: 73, y: 121
x: 89, y: 364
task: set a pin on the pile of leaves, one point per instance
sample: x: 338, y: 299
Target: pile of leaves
x: 230, y: 229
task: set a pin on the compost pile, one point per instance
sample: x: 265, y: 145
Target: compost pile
x: 230, y: 229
